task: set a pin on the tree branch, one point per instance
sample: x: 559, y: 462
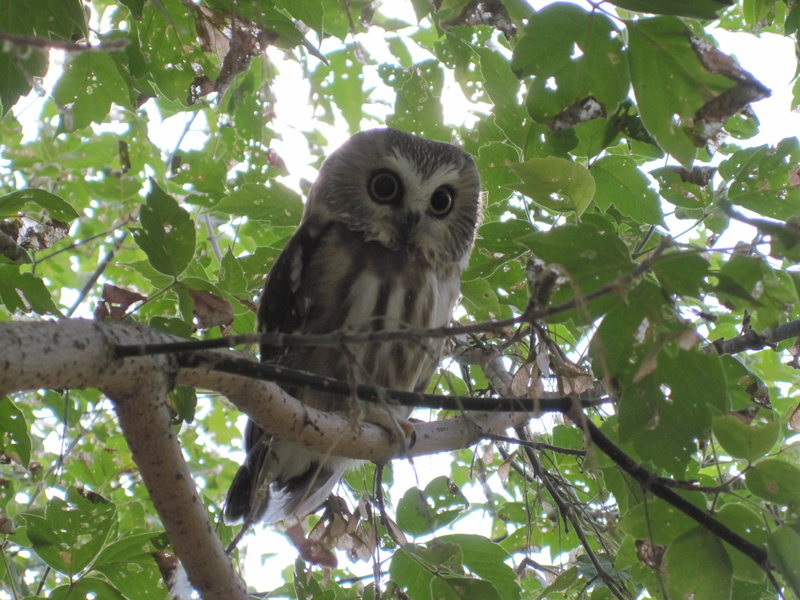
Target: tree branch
x: 748, y: 341
x: 78, y: 354
x: 367, y: 393
x: 651, y: 483
x: 38, y: 42
x: 756, y: 341
x: 565, y: 508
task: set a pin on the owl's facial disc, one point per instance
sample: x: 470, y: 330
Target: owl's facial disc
x: 411, y: 202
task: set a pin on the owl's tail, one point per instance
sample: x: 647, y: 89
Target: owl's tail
x: 279, y: 480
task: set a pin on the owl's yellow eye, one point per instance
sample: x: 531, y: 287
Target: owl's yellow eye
x: 442, y: 201
x: 384, y: 187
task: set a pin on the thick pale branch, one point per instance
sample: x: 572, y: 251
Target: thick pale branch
x: 78, y: 354
x: 145, y: 422
x: 286, y: 417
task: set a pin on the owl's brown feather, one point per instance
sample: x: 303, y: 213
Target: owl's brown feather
x: 359, y: 265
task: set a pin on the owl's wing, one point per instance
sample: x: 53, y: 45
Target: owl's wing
x: 282, y: 309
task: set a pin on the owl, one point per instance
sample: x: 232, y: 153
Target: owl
x: 386, y: 232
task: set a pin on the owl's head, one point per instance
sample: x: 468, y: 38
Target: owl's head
x: 405, y: 192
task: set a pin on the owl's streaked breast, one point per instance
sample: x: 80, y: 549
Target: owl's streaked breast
x: 355, y: 285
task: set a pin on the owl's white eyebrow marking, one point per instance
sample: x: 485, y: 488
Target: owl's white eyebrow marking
x: 443, y: 173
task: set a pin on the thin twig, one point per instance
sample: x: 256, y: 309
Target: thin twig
x: 27, y: 40
x: 97, y: 273
x: 748, y: 341
x: 566, y: 512
x: 536, y: 445
x: 368, y: 393
x: 651, y: 483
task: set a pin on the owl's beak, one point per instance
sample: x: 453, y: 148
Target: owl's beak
x: 412, y: 218
x: 408, y: 223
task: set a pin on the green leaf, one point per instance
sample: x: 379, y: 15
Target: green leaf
x: 414, y: 514
x: 70, y: 534
x: 695, y: 379
x: 782, y: 547
x: 135, y: 6
x: 342, y: 80
x: 231, y: 275
x: 670, y: 81
x: 418, y: 105
x: 57, y: 207
x: 588, y: 256
x: 749, y: 440
x: 24, y: 292
x: 762, y: 179
x: 619, y: 343
x: 128, y: 564
x: 90, y: 84
x: 184, y: 401
x: 546, y: 49
x: 775, y: 481
x: 659, y: 521
x: 749, y: 282
x: 165, y: 62
x: 620, y: 182
x: 409, y: 568
x: 420, y: 512
x: 750, y: 526
x: 167, y: 235
x: 276, y: 204
x: 201, y: 170
x: 675, y: 190
x: 15, y: 441
x: 16, y: 68
x: 87, y: 587
x: 482, y: 299
x: 697, y: 566
x: 744, y: 385
x: 61, y: 20
x: 684, y: 391
x: 446, y: 499
x: 555, y: 183
x: 487, y: 560
x: 494, y: 237
x: 500, y: 81
x: 682, y: 273
x: 462, y: 588
x: 700, y: 9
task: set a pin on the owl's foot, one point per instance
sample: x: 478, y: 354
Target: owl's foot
x: 400, y: 429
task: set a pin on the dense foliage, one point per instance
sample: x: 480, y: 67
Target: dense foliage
x: 626, y: 216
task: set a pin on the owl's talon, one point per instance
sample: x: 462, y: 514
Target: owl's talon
x: 401, y: 431
x: 410, y: 434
